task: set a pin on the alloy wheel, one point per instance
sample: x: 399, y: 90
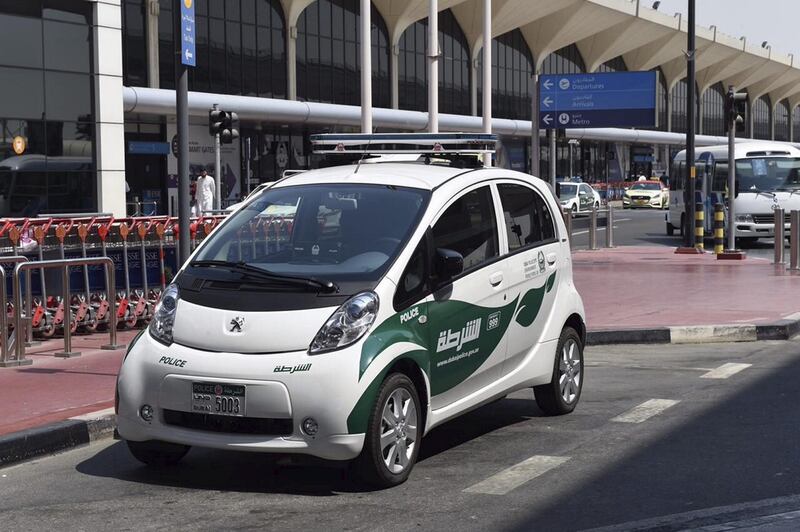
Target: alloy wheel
x: 569, y: 371
x: 398, y: 430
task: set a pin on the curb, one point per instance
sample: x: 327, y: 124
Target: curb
x: 55, y: 437
x: 698, y: 334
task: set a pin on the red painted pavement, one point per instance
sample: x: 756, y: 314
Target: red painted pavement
x: 628, y: 287
x: 644, y: 287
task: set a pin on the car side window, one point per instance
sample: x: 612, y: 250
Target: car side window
x: 413, y: 283
x: 469, y: 227
x: 528, y: 219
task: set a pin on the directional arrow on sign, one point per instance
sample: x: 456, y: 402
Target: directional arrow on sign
x: 547, y: 84
x: 547, y: 101
x: 547, y: 119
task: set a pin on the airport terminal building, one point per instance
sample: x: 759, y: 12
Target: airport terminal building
x: 87, y: 101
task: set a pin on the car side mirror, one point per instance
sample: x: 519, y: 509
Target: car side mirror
x: 736, y: 189
x: 448, y: 264
x: 558, y: 189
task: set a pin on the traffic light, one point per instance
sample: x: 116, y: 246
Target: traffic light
x: 224, y: 123
x: 735, y: 108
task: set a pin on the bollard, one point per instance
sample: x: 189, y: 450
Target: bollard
x: 593, y: 228
x: 699, y: 226
x: 780, y: 235
x: 610, y: 226
x: 567, y: 214
x: 794, y: 240
x: 719, y: 228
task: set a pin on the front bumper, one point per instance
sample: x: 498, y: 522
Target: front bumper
x: 757, y: 230
x: 656, y: 203
x: 323, y: 392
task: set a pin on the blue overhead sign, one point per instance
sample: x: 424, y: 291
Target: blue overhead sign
x: 607, y: 99
x: 187, y: 33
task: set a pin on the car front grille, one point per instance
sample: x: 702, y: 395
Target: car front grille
x: 228, y: 424
x: 768, y: 218
x: 637, y: 198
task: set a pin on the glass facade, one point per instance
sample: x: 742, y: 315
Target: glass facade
x: 134, y: 46
x: 46, y: 108
x: 240, y: 48
x: 678, y: 102
x: 782, y: 121
x: 761, y: 119
x: 512, y: 65
x: 796, y: 123
x: 454, y: 76
x: 714, y: 110
x: 613, y: 65
x: 566, y: 60
x: 328, y: 59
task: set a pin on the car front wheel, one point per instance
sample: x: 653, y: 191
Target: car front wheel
x: 393, y: 434
x: 562, y: 393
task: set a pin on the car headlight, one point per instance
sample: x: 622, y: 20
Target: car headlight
x: 656, y: 197
x: 746, y: 218
x: 164, y: 315
x: 347, y: 324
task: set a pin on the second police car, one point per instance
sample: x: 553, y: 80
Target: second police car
x: 345, y: 312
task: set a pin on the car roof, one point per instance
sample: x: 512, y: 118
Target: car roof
x: 407, y: 174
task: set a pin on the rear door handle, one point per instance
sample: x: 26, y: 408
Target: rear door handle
x: 551, y: 258
x: 496, y: 278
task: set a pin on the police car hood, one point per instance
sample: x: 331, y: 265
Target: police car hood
x: 642, y: 192
x: 234, y: 331
x: 766, y: 202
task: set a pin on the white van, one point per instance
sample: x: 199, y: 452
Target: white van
x: 400, y: 296
x: 767, y: 177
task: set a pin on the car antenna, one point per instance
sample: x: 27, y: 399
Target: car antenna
x: 364, y: 155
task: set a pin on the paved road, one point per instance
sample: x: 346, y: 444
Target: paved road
x: 672, y: 437
x: 647, y: 228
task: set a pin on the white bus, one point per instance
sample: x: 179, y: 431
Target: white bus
x: 767, y: 177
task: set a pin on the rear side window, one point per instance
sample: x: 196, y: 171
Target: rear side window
x: 469, y: 227
x: 528, y: 220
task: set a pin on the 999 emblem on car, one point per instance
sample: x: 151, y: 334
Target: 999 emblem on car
x: 218, y: 398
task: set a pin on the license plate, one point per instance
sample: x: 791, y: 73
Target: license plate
x: 218, y: 398
x: 640, y: 201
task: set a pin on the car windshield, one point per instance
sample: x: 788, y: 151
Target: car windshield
x: 646, y: 186
x: 333, y: 232
x: 568, y: 191
x: 768, y: 174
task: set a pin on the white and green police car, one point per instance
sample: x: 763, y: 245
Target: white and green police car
x: 383, y: 300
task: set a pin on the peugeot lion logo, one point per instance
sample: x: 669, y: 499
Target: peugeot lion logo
x: 236, y: 324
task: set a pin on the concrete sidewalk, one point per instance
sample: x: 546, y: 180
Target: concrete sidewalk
x: 632, y: 295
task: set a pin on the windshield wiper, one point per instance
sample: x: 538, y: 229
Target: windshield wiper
x: 255, y: 272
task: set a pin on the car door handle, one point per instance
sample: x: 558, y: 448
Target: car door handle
x: 551, y: 258
x: 496, y: 278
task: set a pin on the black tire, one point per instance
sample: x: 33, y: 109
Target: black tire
x: 746, y: 242
x: 574, y: 211
x: 670, y: 229
x: 549, y: 396
x: 683, y: 224
x: 370, y: 467
x: 597, y: 205
x: 157, y: 453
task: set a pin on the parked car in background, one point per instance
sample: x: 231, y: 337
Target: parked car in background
x: 647, y: 195
x: 577, y: 197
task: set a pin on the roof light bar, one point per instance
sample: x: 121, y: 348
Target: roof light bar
x: 377, y: 143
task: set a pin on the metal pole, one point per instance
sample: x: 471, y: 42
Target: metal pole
x: 571, y: 170
x: 182, y: 111
x: 112, y: 318
x: 794, y: 241
x: 553, y: 161
x: 593, y: 228
x: 610, y: 226
x: 217, y: 172
x: 487, y: 72
x: 689, y: 191
x: 67, y: 352
x: 4, y: 319
x: 535, y: 139
x: 433, y: 66
x: 780, y: 235
x: 247, y: 165
x: 366, y: 66
x: 567, y: 214
x: 732, y: 177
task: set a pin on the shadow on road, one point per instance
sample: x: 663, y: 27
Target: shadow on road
x: 207, y: 469
x: 745, y: 448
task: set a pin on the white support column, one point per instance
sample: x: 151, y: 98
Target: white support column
x: 108, y: 110
x: 291, y: 63
x: 366, y: 66
x: 487, y: 66
x: 394, y: 76
x: 772, y: 121
x: 433, y: 66
x: 791, y: 123
x: 151, y: 39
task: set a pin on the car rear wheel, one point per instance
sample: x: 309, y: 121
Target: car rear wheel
x: 562, y: 393
x: 157, y: 453
x: 670, y: 229
x: 574, y: 211
x: 393, y: 434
